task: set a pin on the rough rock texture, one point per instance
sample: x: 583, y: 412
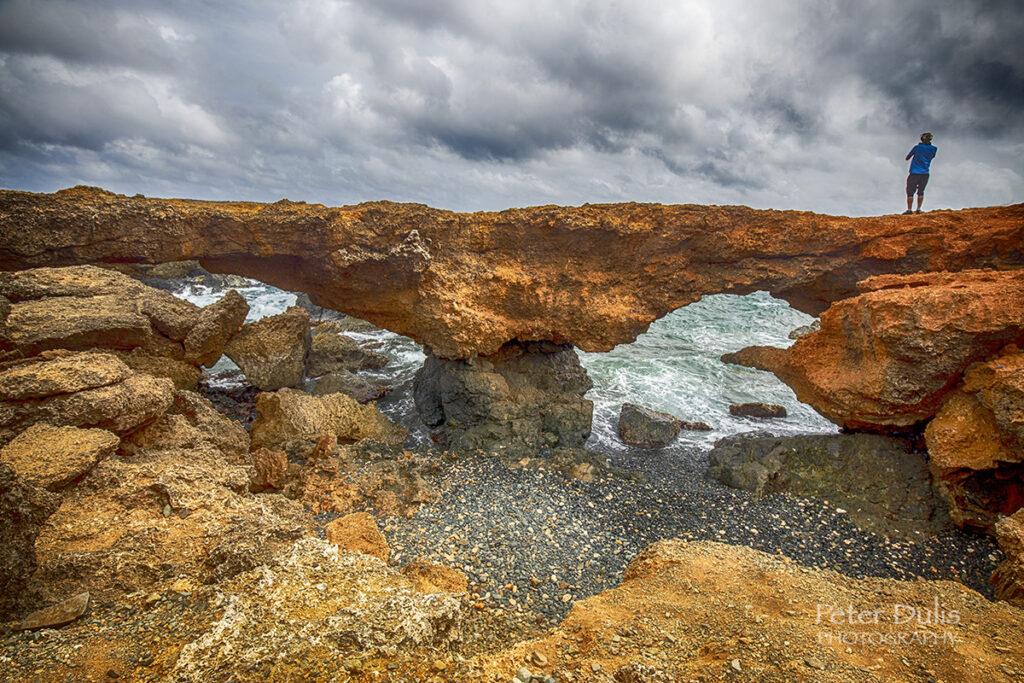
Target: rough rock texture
x: 976, y: 443
x: 120, y: 407
x: 759, y: 410
x: 55, y: 616
x: 289, y: 415
x: 358, y: 533
x: 51, y: 374
x: 319, y: 609
x: 685, y: 611
x: 429, y: 577
x: 465, y: 284
x: 269, y: 470
x: 338, y: 352
x: 344, y: 382
x: 23, y: 510
x: 192, y: 422
x: 53, y: 457
x: 1008, y: 578
x: 639, y: 426
x: 272, y: 351
x: 524, y: 398
x: 216, y: 324
x: 886, y: 359
x: 884, y: 487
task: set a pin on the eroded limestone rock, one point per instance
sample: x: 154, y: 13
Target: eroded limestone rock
x: 272, y: 351
x: 23, y: 510
x: 358, y: 533
x: 639, y: 426
x: 216, y: 324
x: 52, y: 457
x: 524, y: 398
x: 1008, y: 578
x: 332, y: 352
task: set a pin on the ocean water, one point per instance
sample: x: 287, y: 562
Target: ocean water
x: 674, y: 367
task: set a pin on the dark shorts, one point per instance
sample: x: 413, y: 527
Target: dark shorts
x: 916, y: 181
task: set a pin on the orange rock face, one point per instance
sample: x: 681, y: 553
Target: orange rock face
x: 594, y: 276
x: 885, y: 360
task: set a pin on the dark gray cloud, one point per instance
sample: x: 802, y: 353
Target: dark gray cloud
x: 478, y: 104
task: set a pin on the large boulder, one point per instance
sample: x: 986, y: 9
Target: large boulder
x: 23, y: 510
x: 120, y: 406
x: 289, y: 415
x: 60, y: 373
x: 526, y: 397
x: 639, y: 426
x: 52, y: 457
x: 358, y: 532
x: 1008, y: 578
x: 344, y: 382
x: 976, y: 443
x: 216, y: 324
x: 883, y: 485
x: 272, y: 351
x: 885, y: 360
x: 331, y: 352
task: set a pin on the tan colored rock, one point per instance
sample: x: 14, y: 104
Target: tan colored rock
x: 269, y: 470
x: 169, y: 315
x: 289, y: 415
x: 272, y: 351
x: 331, y: 352
x: 23, y: 511
x: 61, y: 375
x: 216, y: 324
x: 76, y: 323
x: 428, y: 577
x: 192, y: 422
x: 886, y: 359
x: 976, y: 443
x: 80, y: 281
x: 183, y: 375
x: 358, y: 532
x: 53, y: 457
x: 466, y: 284
x: 57, y: 615
x: 1008, y: 578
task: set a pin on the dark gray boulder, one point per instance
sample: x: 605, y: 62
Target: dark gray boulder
x: 526, y: 398
x: 640, y: 426
x: 23, y: 509
x: 882, y: 484
x: 344, y: 382
x: 761, y: 410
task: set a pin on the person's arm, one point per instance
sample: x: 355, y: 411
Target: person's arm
x: 910, y: 154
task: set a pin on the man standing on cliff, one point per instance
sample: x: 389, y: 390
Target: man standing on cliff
x: 922, y: 156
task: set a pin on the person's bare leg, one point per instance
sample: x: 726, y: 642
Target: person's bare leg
x: 910, y: 203
x: 920, y: 201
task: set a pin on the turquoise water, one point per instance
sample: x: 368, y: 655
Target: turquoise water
x: 674, y: 367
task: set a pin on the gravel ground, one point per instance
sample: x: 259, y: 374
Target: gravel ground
x: 532, y: 540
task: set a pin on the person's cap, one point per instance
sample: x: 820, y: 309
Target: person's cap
x: 926, y: 135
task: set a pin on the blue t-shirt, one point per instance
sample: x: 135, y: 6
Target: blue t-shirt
x: 921, y: 158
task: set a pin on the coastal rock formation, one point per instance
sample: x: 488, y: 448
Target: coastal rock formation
x: 337, y: 352
x: 758, y: 410
x: 976, y: 442
x: 344, y: 382
x: 216, y: 324
x: 524, y: 398
x: 290, y: 415
x: 53, y: 457
x: 639, y: 426
x: 358, y: 533
x: 272, y: 351
x: 23, y: 510
x: 1008, y: 578
x: 466, y: 284
x: 885, y: 360
x: 884, y: 487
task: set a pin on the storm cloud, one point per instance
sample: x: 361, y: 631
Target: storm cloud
x: 474, y: 104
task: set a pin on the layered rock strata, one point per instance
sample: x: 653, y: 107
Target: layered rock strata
x: 465, y: 284
x: 524, y: 399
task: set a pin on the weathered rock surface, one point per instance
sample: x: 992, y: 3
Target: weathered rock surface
x: 319, y: 607
x: 216, y: 324
x: 465, y: 284
x: 524, y: 398
x: 884, y: 487
x: 344, y: 382
x: 52, y: 374
x: 639, y: 426
x: 358, y: 533
x: 1008, y: 578
x: 759, y: 410
x: 23, y: 510
x: 272, y: 351
x: 192, y: 422
x: 678, y: 598
x: 429, y: 577
x: 332, y: 352
x: 55, y: 616
x: 290, y: 415
x: 53, y: 457
x: 976, y: 443
x: 269, y: 470
x: 886, y: 359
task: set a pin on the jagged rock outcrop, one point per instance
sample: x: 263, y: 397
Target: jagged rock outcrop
x: 976, y: 443
x: 525, y: 398
x: 1008, y: 579
x: 465, y: 284
x: 884, y: 487
x: 53, y: 457
x: 885, y: 360
x: 272, y: 351
x: 344, y: 382
x: 358, y: 533
x: 23, y: 510
x: 332, y: 352
x: 640, y: 426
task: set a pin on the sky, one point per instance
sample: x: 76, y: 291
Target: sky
x: 483, y: 105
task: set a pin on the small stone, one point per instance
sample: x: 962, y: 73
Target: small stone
x: 56, y: 615
x: 112, y: 674
x: 167, y: 510
x: 814, y: 663
x: 539, y: 659
x: 595, y: 667
x: 439, y: 665
x: 735, y: 664
x: 524, y: 675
